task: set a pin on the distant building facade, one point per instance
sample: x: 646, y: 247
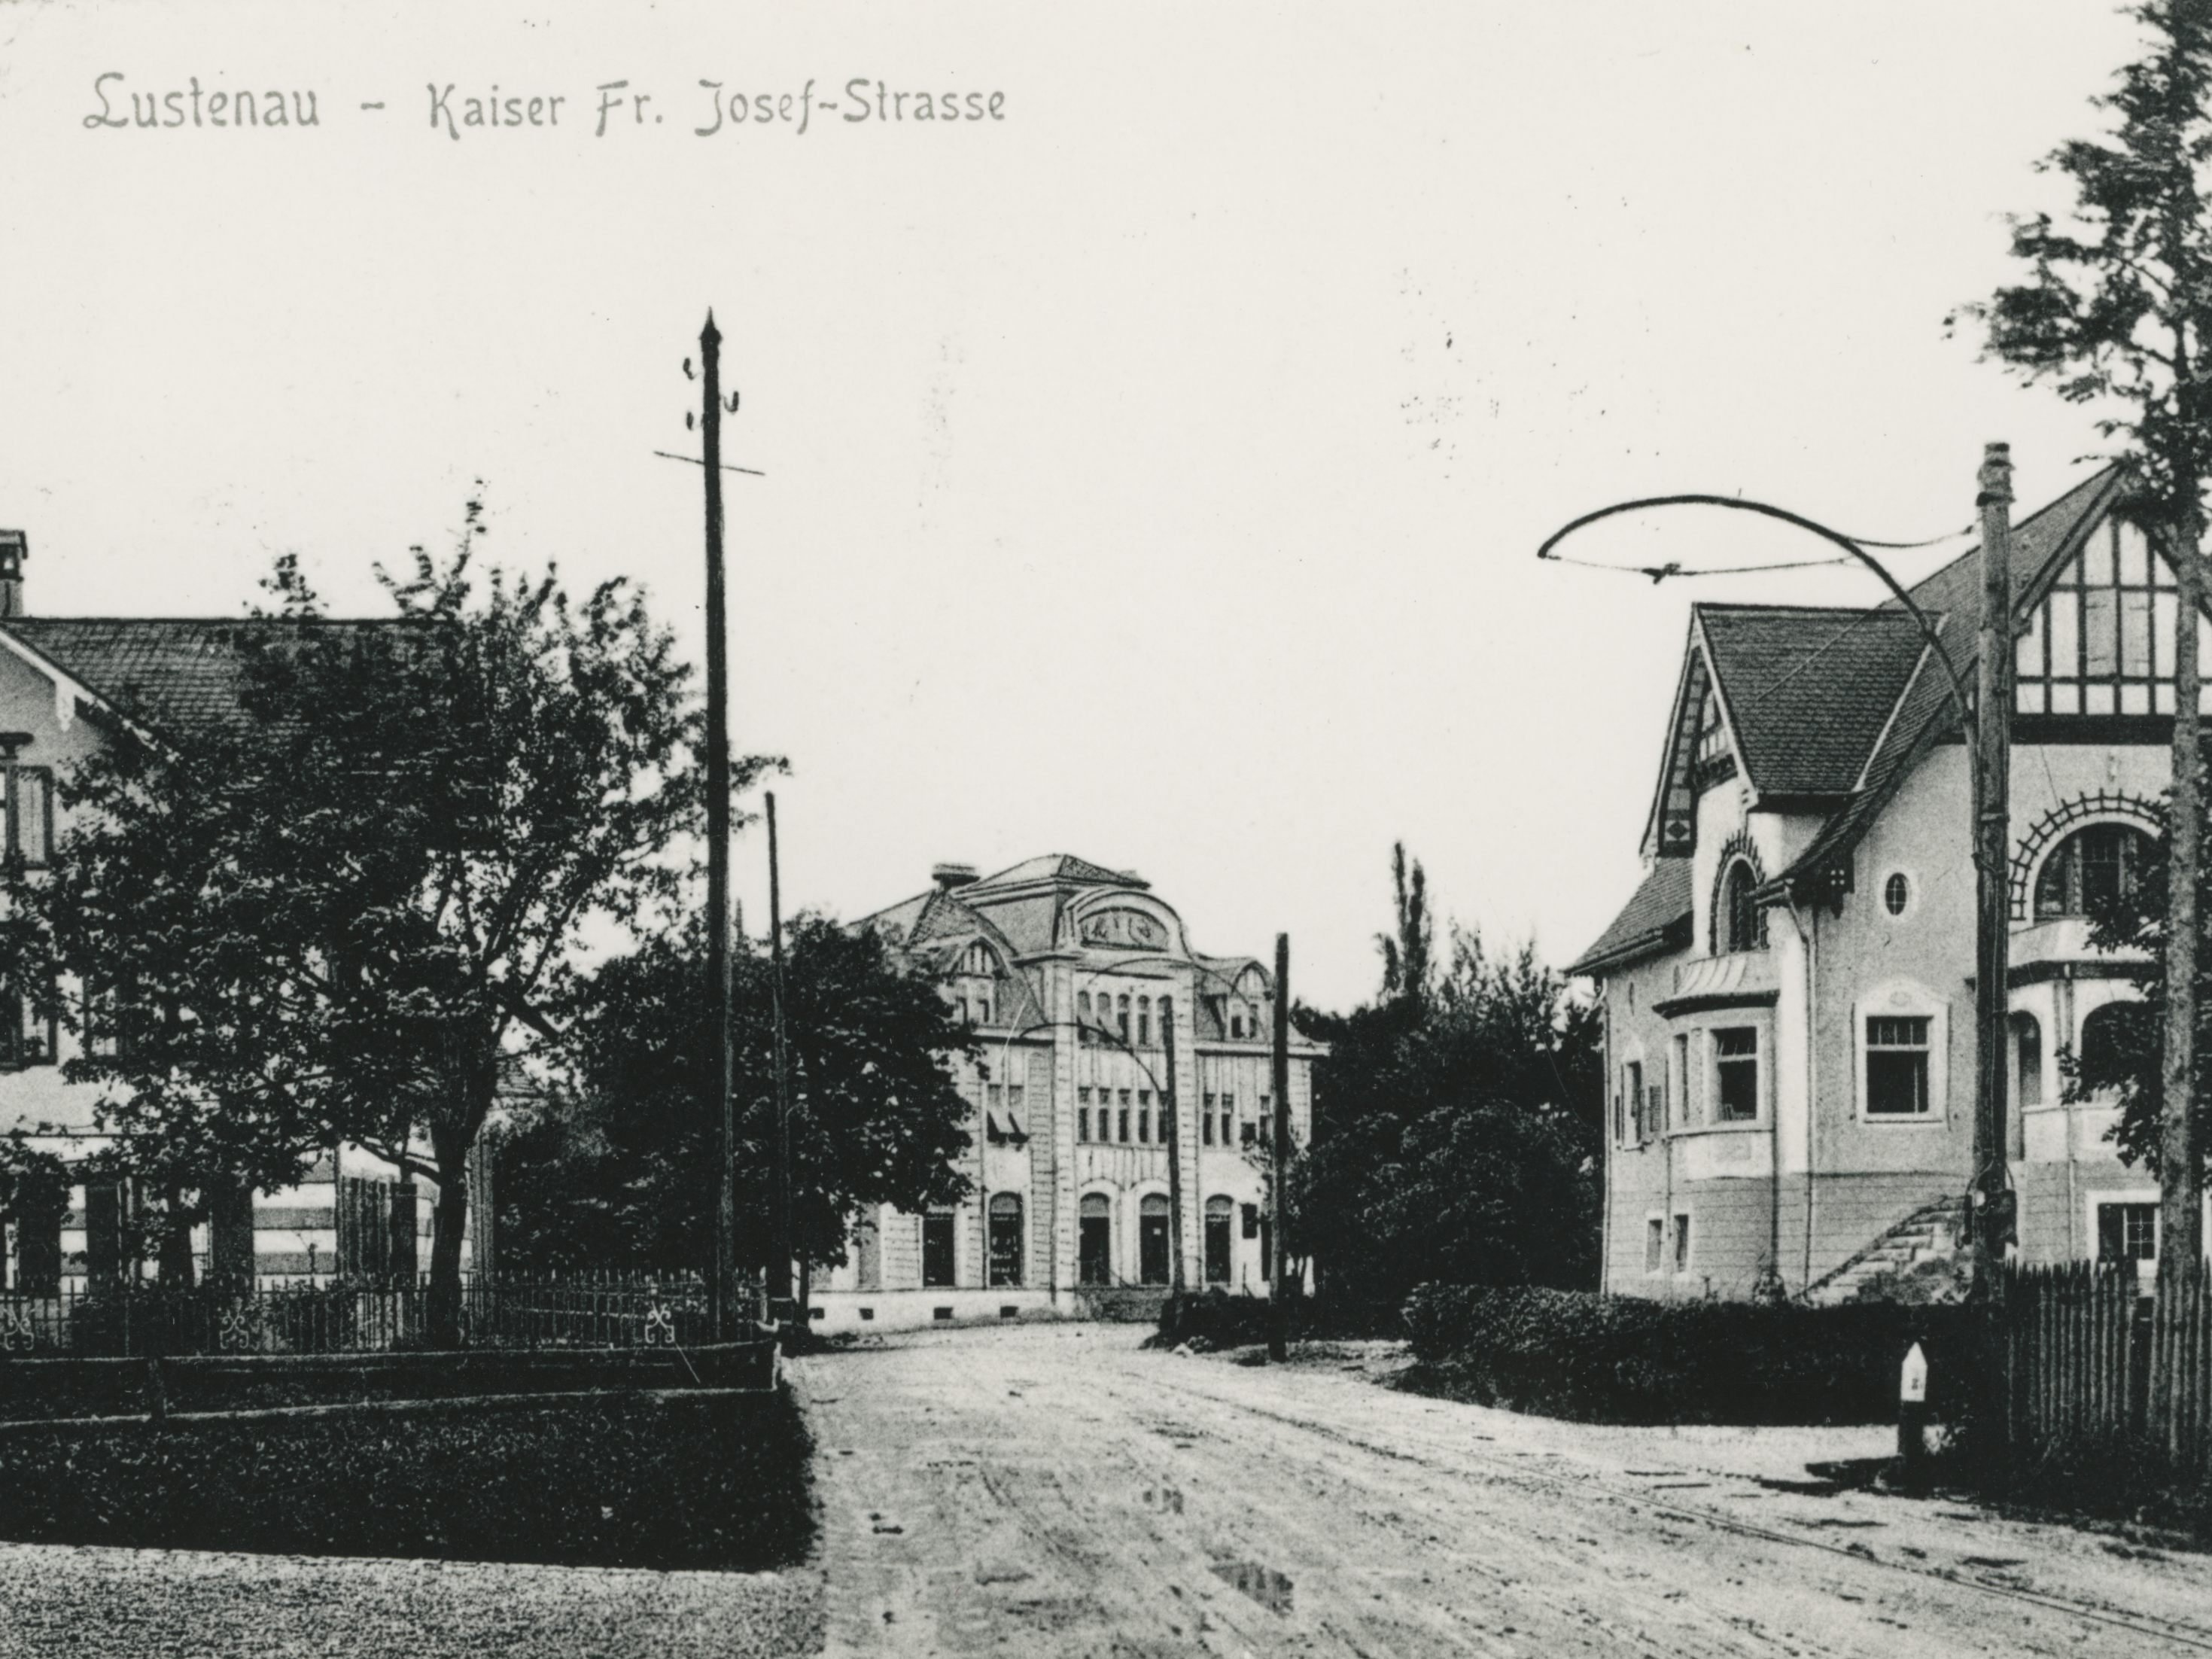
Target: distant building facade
x: 1789, y: 996
x: 1079, y: 980
x: 63, y: 682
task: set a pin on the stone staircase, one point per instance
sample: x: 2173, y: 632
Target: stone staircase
x: 1932, y: 1232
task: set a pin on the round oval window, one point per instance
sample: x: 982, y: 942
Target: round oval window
x: 1897, y: 893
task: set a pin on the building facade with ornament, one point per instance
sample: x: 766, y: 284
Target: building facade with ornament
x: 1788, y: 993
x: 1121, y: 1069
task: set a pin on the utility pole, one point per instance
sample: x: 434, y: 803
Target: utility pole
x: 1992, y: 1219
x: 1173, y: 1105
x: 779, y: 1271
x: 1279, y: 1339
x: 1991, y: 1200
x: 723, y: 1106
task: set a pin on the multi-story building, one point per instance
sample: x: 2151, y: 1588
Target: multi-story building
x: 1110, y: 1047
x: 1788, y: 995
x: 64, y: 683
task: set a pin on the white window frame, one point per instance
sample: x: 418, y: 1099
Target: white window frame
x: 1912, y: 880
x: 1763, y: 1101
x: 1904, y: 999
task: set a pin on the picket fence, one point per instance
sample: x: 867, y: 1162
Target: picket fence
x: 2103, y: 1376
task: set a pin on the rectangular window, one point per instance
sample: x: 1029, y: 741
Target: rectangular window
x: 1736, y: 1075
x: 1897, y: 1065
x: 1655, y: 1244
x: 1206, y: 1127
x: 1679, y: 1078
x: 1251, y: 1134
x: 1681, y: 1243
x: 30, y: 808
x: 1632, y: 1087
x: 1082, y: 1123
x: 27, y: 1032
x: 2127, y: 1233
x: 1125, y: 1126
x: 1144, y: 1125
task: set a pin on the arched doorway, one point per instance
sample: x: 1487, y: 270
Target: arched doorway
x: 1095, y: 1260
x: 1220, y: 1217
x: 1152, y: 1239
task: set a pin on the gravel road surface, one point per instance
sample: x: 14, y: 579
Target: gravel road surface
x: 1050, y: 1490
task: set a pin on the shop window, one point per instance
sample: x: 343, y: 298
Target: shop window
x: 1736, y: 1075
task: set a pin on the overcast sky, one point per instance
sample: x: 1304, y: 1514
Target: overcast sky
x: 1153, y: 474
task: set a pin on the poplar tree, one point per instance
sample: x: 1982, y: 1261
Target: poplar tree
x: 2115, y: 314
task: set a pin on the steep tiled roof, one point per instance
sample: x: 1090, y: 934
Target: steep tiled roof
x: 1807, y: 690
x: 1928, y: 712
x: 176, y: 673
x: 1656, y: 919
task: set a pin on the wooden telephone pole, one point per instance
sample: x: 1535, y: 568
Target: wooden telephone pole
x: 1278, y: 1335
x: 1992, y: 1203
x: 779, y: 1271
x: 1172, y: 1106
x: 722, y: 1080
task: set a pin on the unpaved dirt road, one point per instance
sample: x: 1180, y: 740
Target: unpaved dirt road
x: 1051, y: 1490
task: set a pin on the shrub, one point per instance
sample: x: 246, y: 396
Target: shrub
x: 1629, y: 1359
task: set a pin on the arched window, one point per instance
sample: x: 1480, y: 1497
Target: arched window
x: 1095, y: 1256
x: 2090, y: 869
x: 2109, y: 1033
x: 1006, y: 1239
x: 1743, y: 923
x: 1152, y: 1240
x: 2027, y: 1050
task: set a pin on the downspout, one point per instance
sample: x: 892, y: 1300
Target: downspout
x: 1811, y: 936
x: 1605, y: 1148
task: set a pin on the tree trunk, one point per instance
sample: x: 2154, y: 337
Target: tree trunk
x: 451, y: 1220
x: 2181, y: 1238
x: 174, y: 1253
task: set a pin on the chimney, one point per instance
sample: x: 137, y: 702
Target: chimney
x: 15, y: 547
x: 950, y: 876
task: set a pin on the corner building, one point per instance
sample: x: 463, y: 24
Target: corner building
x: 1109, y: 1047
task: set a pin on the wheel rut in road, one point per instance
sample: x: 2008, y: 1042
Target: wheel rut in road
x: 1053, y: 1491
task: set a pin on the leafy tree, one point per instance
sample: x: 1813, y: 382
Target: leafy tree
x: 2116, y: 312
x: 1458, y: 1120
x: 340, y: 920
x: 619, y: 1167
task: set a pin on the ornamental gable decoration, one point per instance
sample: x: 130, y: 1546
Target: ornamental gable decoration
x: 1123, y: 929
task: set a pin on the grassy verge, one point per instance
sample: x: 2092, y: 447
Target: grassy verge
x: 708, y: 1481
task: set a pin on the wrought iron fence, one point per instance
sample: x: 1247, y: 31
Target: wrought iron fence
x: 337, y: 1316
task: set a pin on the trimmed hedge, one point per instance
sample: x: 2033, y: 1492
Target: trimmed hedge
x: 712, y: 1481
x: 1212, y: 1319
x: 1629, y: 1359
x: 41, y: 1388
